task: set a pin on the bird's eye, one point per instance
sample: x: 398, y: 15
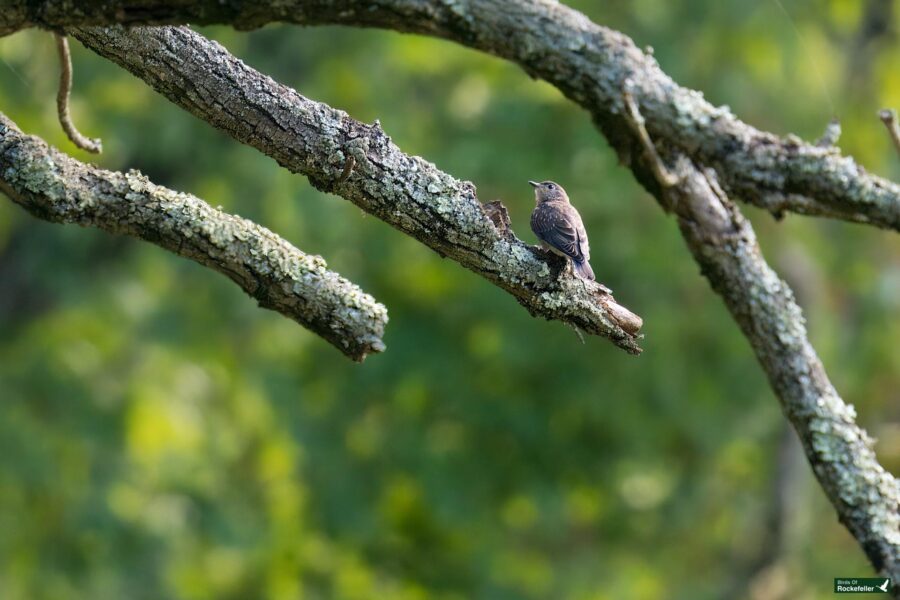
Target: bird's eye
x: 550, y: 186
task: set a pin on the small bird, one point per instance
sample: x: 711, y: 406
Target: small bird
x: 558, y: 226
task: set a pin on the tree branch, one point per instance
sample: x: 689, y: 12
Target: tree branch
x: 587, y: 62
x: 407, y: 192
x: 722, y: 241
x: 56, y: 188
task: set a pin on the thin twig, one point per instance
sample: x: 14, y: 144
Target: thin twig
x: 93, y: 146
x: 636, y: 121
x: 888, y: 116
x: 831, y: 135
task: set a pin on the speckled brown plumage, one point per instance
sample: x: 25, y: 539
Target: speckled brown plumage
x: 559, y: 227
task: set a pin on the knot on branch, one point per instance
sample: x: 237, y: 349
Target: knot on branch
x: 499, y: 216
x: 831, y: 134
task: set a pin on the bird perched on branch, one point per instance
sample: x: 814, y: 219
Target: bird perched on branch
x: 558, y: 226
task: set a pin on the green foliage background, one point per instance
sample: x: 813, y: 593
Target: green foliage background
x: 161, y: 437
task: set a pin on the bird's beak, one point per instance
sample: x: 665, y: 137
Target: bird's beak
x: 534, y: 183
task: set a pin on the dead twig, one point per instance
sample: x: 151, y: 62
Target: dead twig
x: 633, y: 115
x: 888, y: 116
x: 93, y: 146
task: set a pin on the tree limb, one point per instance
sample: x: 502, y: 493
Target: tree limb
x: 587, y: 62
x: 57, y: 188
x: 722, y: 241
x: 405, y: 191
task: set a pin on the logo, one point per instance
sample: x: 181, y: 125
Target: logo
x: 861, y: 585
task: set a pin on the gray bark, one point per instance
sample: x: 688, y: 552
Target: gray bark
x: 57, y: 188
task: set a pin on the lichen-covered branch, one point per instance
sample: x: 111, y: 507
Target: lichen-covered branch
x: 722, y: 241
x: 407, y: 192
x: 55, y: 187
x: 587, y: 62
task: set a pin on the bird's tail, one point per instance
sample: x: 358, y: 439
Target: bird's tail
x: 583, y: 269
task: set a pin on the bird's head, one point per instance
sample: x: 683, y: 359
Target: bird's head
x: 548, y: 191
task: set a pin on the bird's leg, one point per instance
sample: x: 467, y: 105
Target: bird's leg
x: 585, y: 286
x: 577, y: 332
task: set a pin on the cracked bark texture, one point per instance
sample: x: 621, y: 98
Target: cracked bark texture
x: 407, y: 192
x: 56, y: 188
x: 587, y: 62
x: 716, y: 156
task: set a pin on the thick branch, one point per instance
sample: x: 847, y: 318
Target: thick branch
x: 405, y: 191
x: 867, y: 497
x: 58, y: 14
x: 54, y: 187
x: 587, y: 62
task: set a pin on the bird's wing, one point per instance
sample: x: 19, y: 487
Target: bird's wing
x: 555, y: 226
x: 583, y: 243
